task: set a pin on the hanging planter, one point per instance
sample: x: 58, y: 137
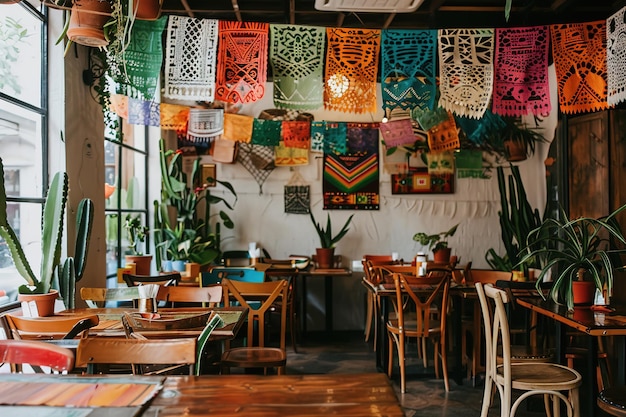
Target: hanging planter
x: 87, y: 20
x: 147, y: 9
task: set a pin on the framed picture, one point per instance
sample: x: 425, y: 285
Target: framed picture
x: 209, y: 171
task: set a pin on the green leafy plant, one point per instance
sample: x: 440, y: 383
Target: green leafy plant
x: 54, y: 273
x: 435, y: 241
x: 12, y: 33
x: 136, y: 233
x: 194, y: 235
x: 513, y: 130
x: 517, y: 219
x: 583, y: 243
x: 327, y: 240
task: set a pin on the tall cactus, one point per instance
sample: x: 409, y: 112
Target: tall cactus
x: 517, y: 219
x: 53, y: 274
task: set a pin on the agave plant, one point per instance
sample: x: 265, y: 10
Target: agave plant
x: 53, y: 273
x: 327, y: 240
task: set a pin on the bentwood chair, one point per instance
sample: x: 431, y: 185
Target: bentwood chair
x: 413, y: 306
x: 257, y: 353
x: 172, y: 278
x: 18, y: 353
x: 49, y: 328
x: 613, y: 400
x: 556, y: 383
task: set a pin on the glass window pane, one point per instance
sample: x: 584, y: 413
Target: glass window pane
x: 20, y: 66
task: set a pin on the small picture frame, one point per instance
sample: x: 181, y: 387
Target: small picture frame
x: 208, y: 171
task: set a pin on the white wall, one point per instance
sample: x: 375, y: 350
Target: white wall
x: 261, y: 218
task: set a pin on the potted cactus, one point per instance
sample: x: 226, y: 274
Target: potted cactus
x: 55, y: 276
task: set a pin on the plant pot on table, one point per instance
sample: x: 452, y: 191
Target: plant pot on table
x: 325, y: 257
x: 442, y: 256
x: 38, y: 305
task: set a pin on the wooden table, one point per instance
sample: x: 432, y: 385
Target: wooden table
x: 223, y: 395
x: 111, y: 325
x: 593, y: 324
x: 328, y: 275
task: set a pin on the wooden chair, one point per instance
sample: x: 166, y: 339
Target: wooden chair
x: 98, y: 297
x: 613, y: 400
x: 49, y: 328
x: 371, y: 321
x: 172, y: 353
x: 36, y: 354
x: 532, y: 378
x: 205, y: 296
x: 172, y: 278
x: 431, y: 292
x: 235, y: 258
x: 256, y: 354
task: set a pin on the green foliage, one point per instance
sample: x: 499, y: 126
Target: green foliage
x: 53, y: 273
x: 12, y: 33
x: 191, y: 237
x: 571, y: 245
x: 517, y: 219
x: 327, y: 240
x: 435, y: 241
x: 136, y: 233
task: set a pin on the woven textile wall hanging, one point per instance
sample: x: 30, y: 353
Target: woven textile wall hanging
x: 579, y: 51
x: 351, y: 69
x: 466, y: 70
x: 288, y: 156
x: 616, y: 57
x: 297, y: 195
x: 145, y: 113
x: 521, y: 72
x: 139, y: 77
x: 242, y: 61
x: 190, y: 58
x: 408, y: 62
x: 257, y: 160
x: 351, y: 181
x: 296, y: 55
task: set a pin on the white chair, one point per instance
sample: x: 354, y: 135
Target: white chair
x: 555, y: 382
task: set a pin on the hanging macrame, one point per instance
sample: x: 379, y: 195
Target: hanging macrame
x: 297, y: 195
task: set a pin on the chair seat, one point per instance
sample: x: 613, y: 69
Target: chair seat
x: 549, y: 376
x: 528, y: 353
x: 254, y: 357
x: 613, y: 400
x: 392, y: 326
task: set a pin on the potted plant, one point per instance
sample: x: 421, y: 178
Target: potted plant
x: 326, y: 252
x: 581, y: 250
x: 437, y: 243
x: 136, y: 234
x: 194, y: 235
x: 55, y: 276
x: 516, y: 140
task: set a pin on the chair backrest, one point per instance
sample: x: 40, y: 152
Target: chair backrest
x: 214, y: 322
x: 172, y: 278
x: 97, y: 297
x: 378, y: 258
x: 428, y: 292
x: 236, y: 258
x: 487, y: 276
x: 258, y: 297
x: 53, y: 327
x: 36, y: 353
x: 115, y: 351
x: 207, y: 296
x: 497, y: 332
x: 217, y: 275
x: 370, y: 267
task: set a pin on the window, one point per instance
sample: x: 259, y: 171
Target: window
x: 23, y: 131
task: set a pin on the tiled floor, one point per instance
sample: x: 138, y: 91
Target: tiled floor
x: 425, y: 396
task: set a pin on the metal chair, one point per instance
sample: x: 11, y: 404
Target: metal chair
x: 217, y: 275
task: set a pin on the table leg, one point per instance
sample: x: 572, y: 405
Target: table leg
x: 382, y: 347
x: 328, y: 300
x: 304, y: 303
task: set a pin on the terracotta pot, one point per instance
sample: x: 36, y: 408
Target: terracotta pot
x: 325, y: 257
x: 86, y: 22
x: 583, y: 292
x: 38, y: 305
x: 148, y: 9
x: 442, y: 256
x: 515, y: 150
x: 142, y: 263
